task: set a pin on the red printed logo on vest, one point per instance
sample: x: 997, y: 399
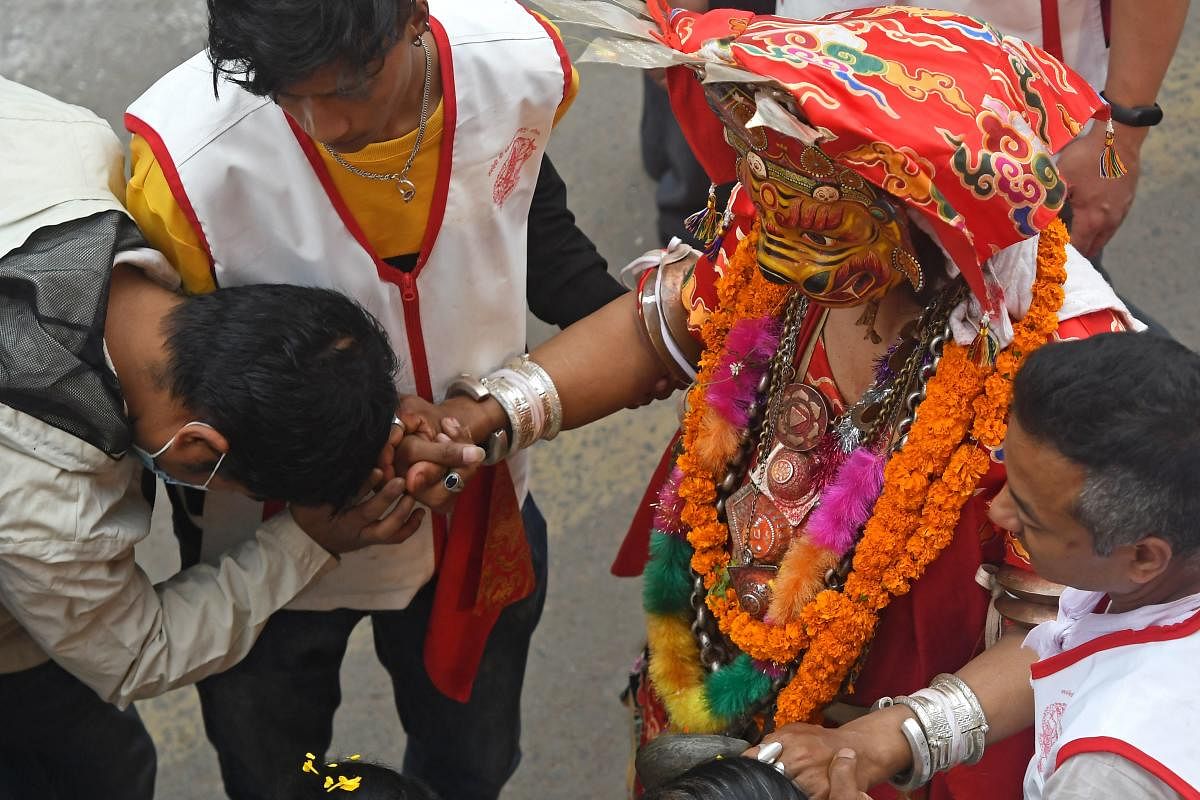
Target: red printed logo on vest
x: 1051, y: 730
x: 505, y: 171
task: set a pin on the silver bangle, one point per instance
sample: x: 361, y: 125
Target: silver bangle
x: 972, y: 722
x: 921, y: 771
x: 936, y: 727
x: 546, y: 391
x: 496, y: 447
x: 520, y: 414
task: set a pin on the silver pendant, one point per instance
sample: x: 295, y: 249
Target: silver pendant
x: 407, y: 189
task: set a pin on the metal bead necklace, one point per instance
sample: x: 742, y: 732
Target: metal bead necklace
x: 407, y: 188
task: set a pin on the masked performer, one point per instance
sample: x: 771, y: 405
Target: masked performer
x: 892, y: 255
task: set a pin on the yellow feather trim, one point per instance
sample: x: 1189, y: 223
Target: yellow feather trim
x: 676, y: 674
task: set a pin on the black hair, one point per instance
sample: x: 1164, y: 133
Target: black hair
x: 735, y: 778
x: 377, y: 782
x: 300, y: 382
x: 268, y: 45
x: 1123, y: 406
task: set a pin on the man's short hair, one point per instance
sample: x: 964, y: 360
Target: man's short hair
x: 299, y: 381
x: 268, y: 45
x: 1123, y: 406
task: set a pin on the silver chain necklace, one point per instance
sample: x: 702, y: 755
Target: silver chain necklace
x: 407, y: 188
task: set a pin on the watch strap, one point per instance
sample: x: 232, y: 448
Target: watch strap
x: 1135, y: 116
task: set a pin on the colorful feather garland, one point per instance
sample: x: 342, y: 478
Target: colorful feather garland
x: 847, y: 502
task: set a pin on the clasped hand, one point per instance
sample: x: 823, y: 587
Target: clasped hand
x: 429, y: 442
x: 422, y: 448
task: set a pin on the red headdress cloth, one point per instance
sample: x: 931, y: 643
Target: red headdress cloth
x: 939, y: 109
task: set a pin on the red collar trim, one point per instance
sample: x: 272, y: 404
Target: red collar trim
x: 139, y: 127
x: 1111, y: 641
x: 437, y: 209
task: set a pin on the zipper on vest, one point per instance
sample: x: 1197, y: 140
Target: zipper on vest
x: 411, y: 304
x: 408, y: 287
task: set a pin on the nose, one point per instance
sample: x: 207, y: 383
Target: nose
x: 1003, y: 511
x: 319, y: 119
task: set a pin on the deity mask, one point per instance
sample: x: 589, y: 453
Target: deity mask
x: 839, y: 239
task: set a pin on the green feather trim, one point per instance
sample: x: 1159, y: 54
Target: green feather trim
x: 667, y: 579
x: 733, y: 689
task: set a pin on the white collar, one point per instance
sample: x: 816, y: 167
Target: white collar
x: 1078, y: 623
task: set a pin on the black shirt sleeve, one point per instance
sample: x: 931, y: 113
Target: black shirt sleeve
x: 567, y: 278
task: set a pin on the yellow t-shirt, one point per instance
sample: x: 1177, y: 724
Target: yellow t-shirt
x: 392, y: 227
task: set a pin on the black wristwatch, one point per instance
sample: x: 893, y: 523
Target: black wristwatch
x: 1135, y: 116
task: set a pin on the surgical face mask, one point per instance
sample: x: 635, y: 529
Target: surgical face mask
x: 147, y: 460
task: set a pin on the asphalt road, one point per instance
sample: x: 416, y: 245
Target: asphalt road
x: 103, y: 53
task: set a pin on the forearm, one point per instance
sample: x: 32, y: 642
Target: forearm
x: 599, y: 365
x: 98, y: 615
x: 602, y: 363
x: 205, y: 619
x: 999, y: 677
x: 1141, y: 49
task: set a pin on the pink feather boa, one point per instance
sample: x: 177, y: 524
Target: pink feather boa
x: 846, y: 503
x: 750, y: 344
x: 666, y: 513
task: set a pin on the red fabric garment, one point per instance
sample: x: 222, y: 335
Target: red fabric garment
x: 956, y: 122
x: 485, y: 565
x: 635, y: 547
x: 938, y: 626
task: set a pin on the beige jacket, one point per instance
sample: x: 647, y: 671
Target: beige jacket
x: 70, y: 515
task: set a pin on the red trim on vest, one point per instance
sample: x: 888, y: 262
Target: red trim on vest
x: 1107, y: 744
x: 1155, y: 633
x: 1051, y: 29
x: 441, y: 188
x: 138, y: 126
x: 406, y: 281
x: 563, y: 56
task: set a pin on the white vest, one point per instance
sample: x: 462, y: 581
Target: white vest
x: 1080, y: 24
x: 1131, y: 693
x: 254, y: 185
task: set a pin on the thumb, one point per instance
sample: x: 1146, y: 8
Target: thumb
x: 843, y: 776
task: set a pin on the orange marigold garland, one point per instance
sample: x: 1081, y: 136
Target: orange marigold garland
x: 926, y: 485
x: 911, y: 525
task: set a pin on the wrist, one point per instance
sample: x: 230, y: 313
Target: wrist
x: 883, y: 752
x: 478, y: 417
x: 1133, y: 110
x: 1129, y: 138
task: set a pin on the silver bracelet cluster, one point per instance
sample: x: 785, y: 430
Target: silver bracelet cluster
x: 530, y: 401
x: 948, y: 728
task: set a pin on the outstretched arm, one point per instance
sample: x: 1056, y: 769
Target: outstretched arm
x: 1141, y: 50
x: 599, y: 365
x: 1000, y: 679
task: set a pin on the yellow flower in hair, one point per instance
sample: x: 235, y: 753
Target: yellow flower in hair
x: 343, y: 783
x: 308, y: 765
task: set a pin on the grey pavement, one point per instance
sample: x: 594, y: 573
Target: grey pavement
x: 103, y: 53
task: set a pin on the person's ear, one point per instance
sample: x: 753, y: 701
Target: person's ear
x: 1148, y: 558
x: 418, y: 21
x: 200, y: 444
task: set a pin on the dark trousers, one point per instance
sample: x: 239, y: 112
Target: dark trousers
x: 264, y: 714
x: 60, y: 741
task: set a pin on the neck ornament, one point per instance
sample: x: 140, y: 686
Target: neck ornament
x: 403, y: 185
